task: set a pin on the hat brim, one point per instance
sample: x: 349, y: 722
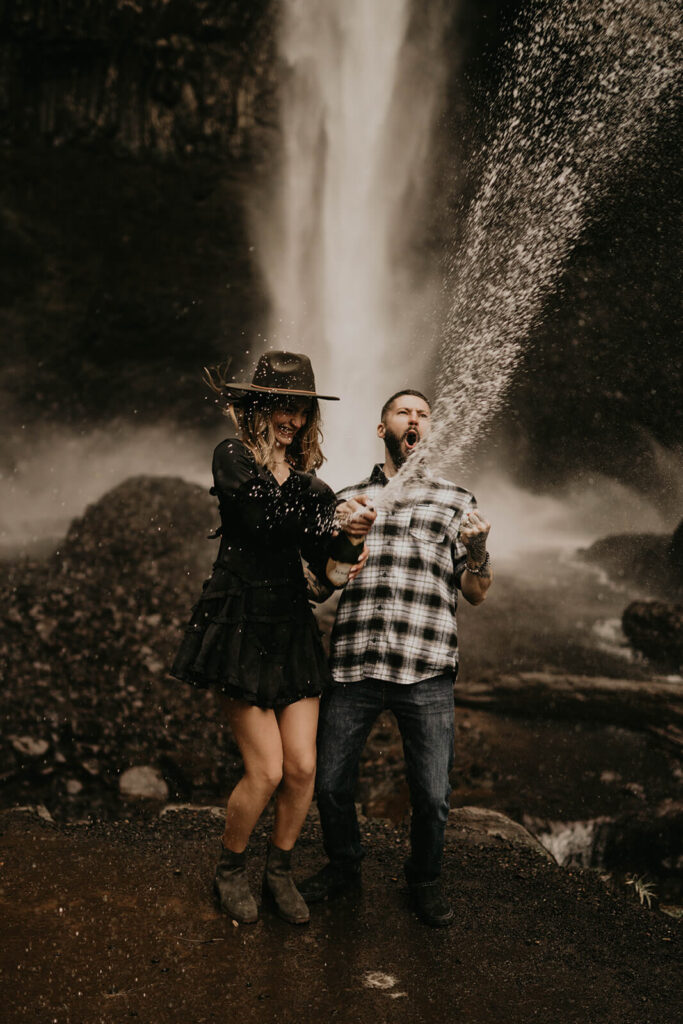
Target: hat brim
x: 242, y: 388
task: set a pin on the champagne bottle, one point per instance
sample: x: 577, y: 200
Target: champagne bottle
x: 345, y: 551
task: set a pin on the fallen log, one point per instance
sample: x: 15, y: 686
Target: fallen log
x: 653, y: 706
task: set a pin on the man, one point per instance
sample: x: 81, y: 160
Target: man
x: 394, y: 646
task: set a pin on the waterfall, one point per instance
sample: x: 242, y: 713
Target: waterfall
x: 361, y: 86
x: 584, y: 84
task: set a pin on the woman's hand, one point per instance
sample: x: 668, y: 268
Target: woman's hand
x: 356, y: 516
x: 360, y: 564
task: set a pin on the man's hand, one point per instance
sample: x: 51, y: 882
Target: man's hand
x: 477, y: 577
x: 356, y: 516
x: 473, y: 533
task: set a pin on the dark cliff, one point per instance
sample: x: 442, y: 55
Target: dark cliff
x: 162, y: 76
x: 133, y: 136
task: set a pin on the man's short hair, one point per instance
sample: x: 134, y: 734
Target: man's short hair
x: 404, y: 391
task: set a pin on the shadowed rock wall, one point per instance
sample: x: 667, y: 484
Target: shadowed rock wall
x: 164, y: 76
x: 129, y: 131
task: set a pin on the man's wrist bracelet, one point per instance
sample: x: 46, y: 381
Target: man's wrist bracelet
x: 477, y: 570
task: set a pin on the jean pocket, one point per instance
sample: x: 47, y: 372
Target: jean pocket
x: 431, y: 523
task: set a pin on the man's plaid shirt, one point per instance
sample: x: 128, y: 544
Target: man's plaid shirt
x: 396, y: 621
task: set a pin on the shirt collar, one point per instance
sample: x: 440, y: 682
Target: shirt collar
x: 378, y: 476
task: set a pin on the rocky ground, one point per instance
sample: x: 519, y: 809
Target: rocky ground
x: 87, y: 639
x: 107, y: 913
x: 90, y: 719
x: 115, y: 922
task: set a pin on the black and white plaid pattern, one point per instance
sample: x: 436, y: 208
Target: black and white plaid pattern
x: 396, y: 622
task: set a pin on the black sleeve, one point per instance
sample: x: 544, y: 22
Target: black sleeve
x: 317, y: 549
x: 288, y: 514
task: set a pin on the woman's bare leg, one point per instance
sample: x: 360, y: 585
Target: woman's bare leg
x: 298, y: 726
x: 257, y: 734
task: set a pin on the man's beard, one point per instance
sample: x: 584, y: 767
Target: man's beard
x: 393, y: 443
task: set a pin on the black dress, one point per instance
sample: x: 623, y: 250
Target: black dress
x: 252, y: 633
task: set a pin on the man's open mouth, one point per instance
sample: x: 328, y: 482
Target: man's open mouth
x: 411, y: 437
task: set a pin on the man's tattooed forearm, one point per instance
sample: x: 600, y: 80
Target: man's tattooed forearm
x: 476, y: 548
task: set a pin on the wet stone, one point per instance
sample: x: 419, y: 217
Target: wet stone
x: 27, y: 746
x: 143, y: 782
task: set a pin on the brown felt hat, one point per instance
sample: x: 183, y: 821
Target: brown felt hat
x: 280, y: 373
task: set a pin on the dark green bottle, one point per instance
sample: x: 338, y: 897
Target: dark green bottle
x: 344, y: 553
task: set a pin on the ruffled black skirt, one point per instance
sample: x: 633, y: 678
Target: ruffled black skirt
x: 255, y: 640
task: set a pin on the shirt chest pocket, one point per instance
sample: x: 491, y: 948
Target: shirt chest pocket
x: 431, y: 523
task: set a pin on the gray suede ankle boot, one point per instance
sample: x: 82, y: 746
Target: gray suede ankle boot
x: 231, y: 887
x: 279, y: 886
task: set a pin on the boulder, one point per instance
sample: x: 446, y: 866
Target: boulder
x: 143, y: 783
x: 480, y: 825
x: 147, y: 533
x: 656, y: 629
x: 651, y: 560
x: 676, y: 553
x: 29, y: 746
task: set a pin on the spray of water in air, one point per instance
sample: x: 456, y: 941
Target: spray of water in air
x: 586, y: 83
x: 360, y: 89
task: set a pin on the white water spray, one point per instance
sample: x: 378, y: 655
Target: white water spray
x: 362, y: 86
x: 583, y: 90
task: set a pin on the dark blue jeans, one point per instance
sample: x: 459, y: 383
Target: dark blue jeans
x: 424, y: 712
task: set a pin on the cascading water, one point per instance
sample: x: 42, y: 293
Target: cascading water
x: 357, y: 116
x: 585, y: 86
x: 585, y: 83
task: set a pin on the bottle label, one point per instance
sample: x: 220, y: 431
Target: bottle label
x: 338, y: 572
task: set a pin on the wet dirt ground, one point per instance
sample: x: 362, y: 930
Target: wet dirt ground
x: 113, y: 923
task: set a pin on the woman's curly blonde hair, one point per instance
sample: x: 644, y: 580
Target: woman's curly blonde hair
x: 251, y: 414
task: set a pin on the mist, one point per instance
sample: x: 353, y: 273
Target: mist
x: 60, y: 472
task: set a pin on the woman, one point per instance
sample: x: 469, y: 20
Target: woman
x: 252, y: 635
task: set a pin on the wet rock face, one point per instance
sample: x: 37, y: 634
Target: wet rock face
x: 655, y: 563
x: 676, y: 553
x: 86, y: 641
x: 653, y: 560
x: 656, y: 629
x: 129, y: 129
x: 168, y: 76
